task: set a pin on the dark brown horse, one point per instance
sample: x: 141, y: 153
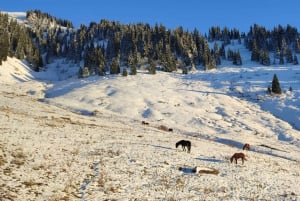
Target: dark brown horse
x: 236, y: 156
x: 184, y: 143
x: 246, y: 147
x: 145, y: 123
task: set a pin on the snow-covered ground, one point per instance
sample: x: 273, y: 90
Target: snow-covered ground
x: 68, y: 139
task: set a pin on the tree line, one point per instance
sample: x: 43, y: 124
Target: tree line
x: 105, y: 46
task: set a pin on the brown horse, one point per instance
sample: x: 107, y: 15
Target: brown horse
x: 145, y: 123
x: 236, y: 156
x: 246, y: 147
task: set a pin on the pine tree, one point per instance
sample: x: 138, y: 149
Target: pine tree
x: 4, y: 44
x: 184, y: 69
x: 209, y: 61
x: 133, y: 70
x: 217, y: 54
x: 169, y: 63
x: 222, y: 51
x: 255, y: 51
x: 276, y: 85
x: 264, y: 58
x: 284, y: 47
x: 295, y: 60
x: 289, y: 56
x: 20, y: 52
x: 237, y: 59
x: 230, y: 55
x: 101, y: 62
x: 115, y: 66
x: 124, y: 72
x: 152, y: 69
x: 80, y: 72
x: 281, y: 61
x: 132, y: 62
x: 297, y: 45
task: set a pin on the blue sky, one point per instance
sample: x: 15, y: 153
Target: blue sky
x: 189, y: 14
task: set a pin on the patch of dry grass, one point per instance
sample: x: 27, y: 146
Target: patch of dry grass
x: 2, y: 160
x: 211, y: 171
x: 19, y: 157
x: 30, y: 183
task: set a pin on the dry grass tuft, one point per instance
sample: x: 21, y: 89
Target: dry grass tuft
x: 19, y: 154
x: 58, y: 198
x: 165, y: 128
x: 32, y: 183
x: 2, y: 161
x: 17, y: 162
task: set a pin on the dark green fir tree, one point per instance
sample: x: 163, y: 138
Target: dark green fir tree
x: 276, y: 85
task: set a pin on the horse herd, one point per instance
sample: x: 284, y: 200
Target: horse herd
x: 186, y: 146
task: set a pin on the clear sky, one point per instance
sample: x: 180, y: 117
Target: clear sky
x: 189, y: 14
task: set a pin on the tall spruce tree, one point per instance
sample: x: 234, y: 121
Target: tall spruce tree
x: 255, y: 51
x: 237, y: 59
x: 115, y: 66
x: 209, y: 61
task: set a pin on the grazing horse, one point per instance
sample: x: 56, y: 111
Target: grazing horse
x: 184, y: 143
x: 237, y: 156
x: 145, y: 123
x: 246, y: 147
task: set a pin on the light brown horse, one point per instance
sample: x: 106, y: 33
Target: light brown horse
x: 236, y: 156
x: 246, y: 147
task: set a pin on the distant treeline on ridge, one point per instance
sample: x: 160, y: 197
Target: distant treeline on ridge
x: 103, y: 47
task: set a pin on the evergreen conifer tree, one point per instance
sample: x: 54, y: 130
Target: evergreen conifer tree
x: 237, y: 59
x: 4, y: 44
x: 255, y: 51
x: 115, y: 66
x: 124, y: 72
x: 184, y: 69
x: 222, y: 51
x: 152, y: 69
x: 281, y: 61
x: 217, y: 54
x: 289, y: 56
x: 133, y: 70
x: 209, y: 61
x: 295, y: 60
x: 276, y: 85
x: 264, y: 58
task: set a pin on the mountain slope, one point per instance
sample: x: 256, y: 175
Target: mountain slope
x: 85, y: 139
x: 49, y: 153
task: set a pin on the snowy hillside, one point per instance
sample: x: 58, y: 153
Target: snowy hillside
x: 69, y: 139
